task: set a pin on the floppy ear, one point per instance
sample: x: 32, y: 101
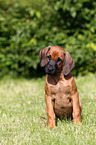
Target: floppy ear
x: 42, y: 55
x: 68, y: 63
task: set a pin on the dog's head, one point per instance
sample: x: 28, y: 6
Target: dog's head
x: 55, y: 59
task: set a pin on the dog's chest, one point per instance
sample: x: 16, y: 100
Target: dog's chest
x: 61, y: 89
x: 62, y: 99
x: 61, y: 95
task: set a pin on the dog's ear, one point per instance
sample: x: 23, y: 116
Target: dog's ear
x: 68, y: 63
x: 42, y: 55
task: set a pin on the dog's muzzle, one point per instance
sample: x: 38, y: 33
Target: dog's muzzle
x: 51, y: 67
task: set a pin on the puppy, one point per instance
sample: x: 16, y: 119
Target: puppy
x: 61, y: 95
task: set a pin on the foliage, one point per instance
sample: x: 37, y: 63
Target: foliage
x: 26, y: 29
x: 22, y: 103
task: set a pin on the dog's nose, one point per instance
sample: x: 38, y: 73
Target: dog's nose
x: 50, y: 68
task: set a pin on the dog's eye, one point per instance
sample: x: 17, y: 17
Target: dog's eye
x: 48, y: 57
x: 59, y: 59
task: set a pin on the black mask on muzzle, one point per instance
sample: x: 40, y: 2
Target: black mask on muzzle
x: 51, y: 67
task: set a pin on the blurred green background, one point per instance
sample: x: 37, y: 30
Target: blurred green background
x: 26, y: 27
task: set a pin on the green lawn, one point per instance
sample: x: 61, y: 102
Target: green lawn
x: 22, y: 103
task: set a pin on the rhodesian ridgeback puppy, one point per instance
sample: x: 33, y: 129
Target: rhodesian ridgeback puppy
x: 61, y: 95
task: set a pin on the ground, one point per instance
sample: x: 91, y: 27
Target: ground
x: 22, y: 103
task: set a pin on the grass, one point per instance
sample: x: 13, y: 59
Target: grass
x: 22, y: 103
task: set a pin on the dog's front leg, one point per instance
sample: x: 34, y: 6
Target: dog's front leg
x: 50, y: 112
x: 76, y: 108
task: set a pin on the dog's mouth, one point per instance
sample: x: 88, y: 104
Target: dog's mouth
x: 51, y: 69
x: 52, y: 72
